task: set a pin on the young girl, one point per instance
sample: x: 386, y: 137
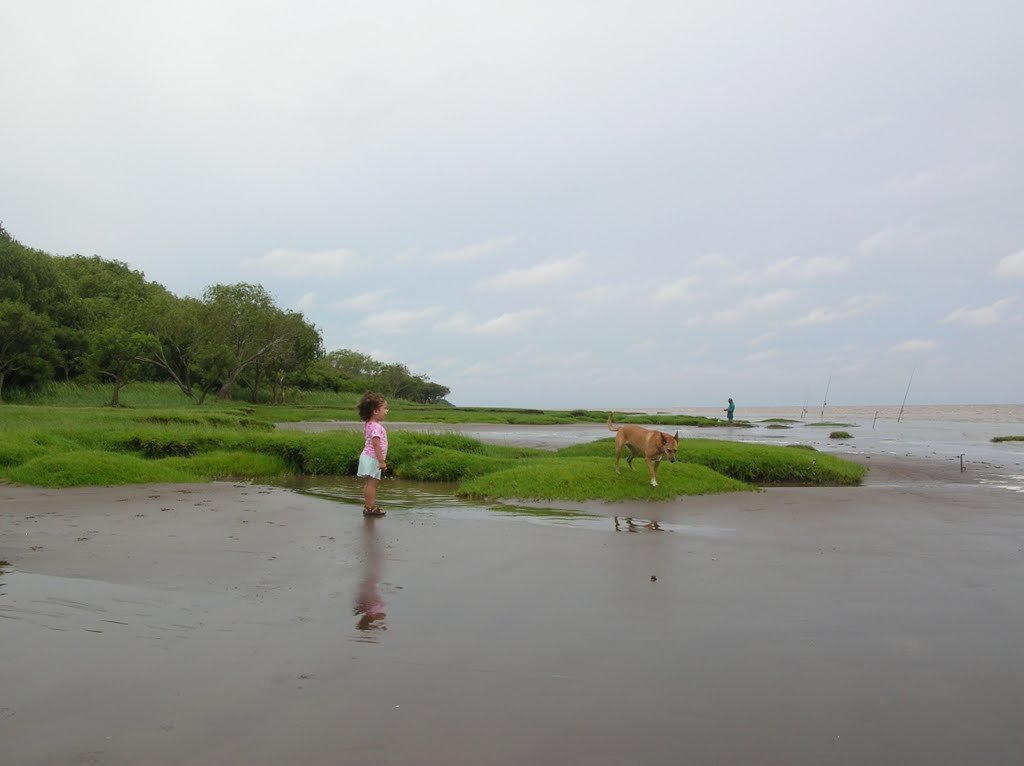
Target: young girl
x: 373, y: 408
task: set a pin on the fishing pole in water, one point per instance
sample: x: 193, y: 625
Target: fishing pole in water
x: 825, y: 401
x: 905, y: 395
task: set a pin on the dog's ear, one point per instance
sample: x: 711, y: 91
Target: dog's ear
x: 676, y: 436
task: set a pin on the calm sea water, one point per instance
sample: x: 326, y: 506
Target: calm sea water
x: 999, y: 414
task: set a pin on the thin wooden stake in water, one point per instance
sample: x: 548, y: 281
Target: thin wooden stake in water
x: 906, y: 394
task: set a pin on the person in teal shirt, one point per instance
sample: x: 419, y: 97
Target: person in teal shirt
x: 730, y: 410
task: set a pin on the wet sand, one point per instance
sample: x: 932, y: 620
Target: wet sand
x: 232, y: 623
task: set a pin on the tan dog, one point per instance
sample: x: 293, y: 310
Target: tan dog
x: 653, y: 445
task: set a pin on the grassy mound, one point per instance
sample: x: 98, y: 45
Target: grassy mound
x: 761, y: 464
x: 592, y: 478
x: 92, y: 468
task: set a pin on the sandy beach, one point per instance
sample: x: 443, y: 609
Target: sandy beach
x: 234, y: 623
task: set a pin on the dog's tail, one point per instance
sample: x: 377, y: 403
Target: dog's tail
x: 610, y: 426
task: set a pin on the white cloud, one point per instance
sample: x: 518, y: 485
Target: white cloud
x: 472, y: 252
x: 819, y: 316
x: 765, y: 302
x: 854, y: 306
x: 983, y: 315
x: 771, y: 300
x: 552, y: 270
x: 363, y: 300
x: 1011, y: 267
x: 803, y: 269
x: 386, y: 322
x: 913, y: 345
x: 306, y: 302
x: 821, y: 266
x: 457, y: 322
x: 903, y: 236
x: 598, y: 296
x: 296, y: 263
x: 728, y: 315
x: 507, y: 324
x: 762, y: 338
x: 673, y: 291
x: 760, y: 356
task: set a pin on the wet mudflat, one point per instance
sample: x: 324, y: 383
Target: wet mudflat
x: 236, y: 623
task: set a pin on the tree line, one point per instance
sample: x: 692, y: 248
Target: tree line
x: 84, y: 318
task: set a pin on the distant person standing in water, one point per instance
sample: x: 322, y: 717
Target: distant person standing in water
x: 373, y: 408
x: 730, y: 410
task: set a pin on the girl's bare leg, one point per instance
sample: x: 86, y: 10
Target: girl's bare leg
x: 370, y: 492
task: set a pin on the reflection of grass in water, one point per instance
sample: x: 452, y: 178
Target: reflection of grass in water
x: 776, y: 425
x: 780, y: 420
x: 547, y: 513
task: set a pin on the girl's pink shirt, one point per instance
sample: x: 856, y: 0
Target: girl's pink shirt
x: 372, y: 428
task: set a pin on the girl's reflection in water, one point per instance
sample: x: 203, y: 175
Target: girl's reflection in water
x: 368, y: 603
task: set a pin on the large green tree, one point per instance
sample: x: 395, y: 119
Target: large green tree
x: 246, y: 328
x: 181, y: 334
x: 119, y: 354
x: 288, y: 362
x: 113, y: 302
x: 26, y: 345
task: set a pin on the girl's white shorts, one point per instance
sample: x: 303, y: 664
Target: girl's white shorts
x: 368, y: 466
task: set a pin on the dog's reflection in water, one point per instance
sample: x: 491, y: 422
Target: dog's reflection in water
x: 629, y: 524
x: 369, y: 605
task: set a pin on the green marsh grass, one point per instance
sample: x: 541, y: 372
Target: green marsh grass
x: 589, y: 478
x: 840, y: 435
x: 94, y: 468
x: 760, y: 464
x: 1008, y: 438
x: 58, y: 445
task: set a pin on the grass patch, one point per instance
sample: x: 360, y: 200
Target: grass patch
x: 780, y: 420
x: 777, y: 425
x: 840, y: 435
x: 223, y: 464
x: 589, y: 478
x: 92, y: 468
x: 761, y: 464
x: 832, y: 425
x: 1008, y: 438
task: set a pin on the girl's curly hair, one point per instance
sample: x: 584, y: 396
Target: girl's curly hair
x: 369, y: 404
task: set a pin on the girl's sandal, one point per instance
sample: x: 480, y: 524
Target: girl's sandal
x: 375, y: 511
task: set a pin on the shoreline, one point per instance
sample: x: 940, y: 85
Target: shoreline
x: 172, y: 624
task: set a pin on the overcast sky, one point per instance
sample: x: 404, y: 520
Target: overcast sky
x: 555, y: 204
